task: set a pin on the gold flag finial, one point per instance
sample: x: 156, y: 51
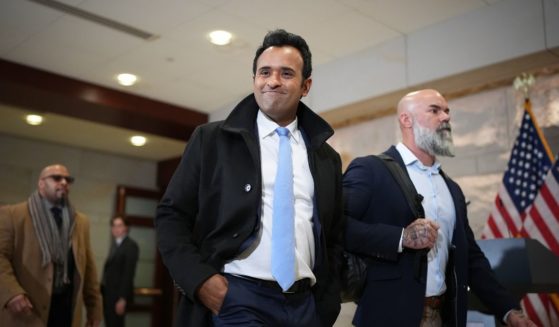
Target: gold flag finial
x: 524, y: 83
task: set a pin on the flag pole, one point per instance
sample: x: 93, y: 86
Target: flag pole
x: 524, y: 83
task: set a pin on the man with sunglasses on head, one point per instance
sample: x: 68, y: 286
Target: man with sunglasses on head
x: 47, y: 268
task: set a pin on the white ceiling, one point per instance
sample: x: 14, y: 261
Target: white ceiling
x: 180, y: 66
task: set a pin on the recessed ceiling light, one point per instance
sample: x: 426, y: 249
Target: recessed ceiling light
x: 138, y: 140
x: 126, y: 79
x: 34, y: 119
x: 220, y: 37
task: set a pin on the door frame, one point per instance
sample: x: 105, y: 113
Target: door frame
x: 162, y: 309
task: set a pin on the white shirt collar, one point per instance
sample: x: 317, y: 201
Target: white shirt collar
x: 119, y: 240
x: 267, y: 127
x: 410, y: 159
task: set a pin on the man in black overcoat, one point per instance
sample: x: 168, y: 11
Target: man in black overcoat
x: 214, y: 223
x: 117, y: 285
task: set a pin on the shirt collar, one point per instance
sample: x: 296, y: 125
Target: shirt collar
x: 119, y: 240
x: 50, y: 205
x: 411, y: 160
x: 267, y: 127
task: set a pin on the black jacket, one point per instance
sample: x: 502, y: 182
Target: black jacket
x: 119, y: 271
x: 212, y: 206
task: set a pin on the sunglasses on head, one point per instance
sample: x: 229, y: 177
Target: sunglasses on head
x: 58, y: 178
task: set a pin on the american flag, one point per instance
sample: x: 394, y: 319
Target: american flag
x: 529, y: 161
x: 526, y: 205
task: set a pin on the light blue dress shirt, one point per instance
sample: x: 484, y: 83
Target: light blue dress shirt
x: 438, y: 206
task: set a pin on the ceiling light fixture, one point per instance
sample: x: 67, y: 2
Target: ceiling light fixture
x: 138, y: 140
x: 220, y: 37
x: 126, y: 79
x: 34, y: 119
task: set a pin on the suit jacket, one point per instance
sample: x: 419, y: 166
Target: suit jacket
x: 377, y: 211
x: 21, y: 270
x: 119, y: 271
x: 211, y: 208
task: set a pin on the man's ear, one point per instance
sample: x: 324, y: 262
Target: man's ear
x: 306, y: 86
x: 40, y: 184
x: 406, y: 119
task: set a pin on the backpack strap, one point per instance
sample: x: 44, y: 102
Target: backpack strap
x: 414, y: 201
x: 403, y: 179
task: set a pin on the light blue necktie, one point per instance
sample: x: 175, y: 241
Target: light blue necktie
x: 283, y: 242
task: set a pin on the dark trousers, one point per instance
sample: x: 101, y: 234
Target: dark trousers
x: 61, y: 308
x: 249, y: 304
x: 109, y: 313
x: 60, y: 314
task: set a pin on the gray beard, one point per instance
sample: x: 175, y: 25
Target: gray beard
x: 436, y: 143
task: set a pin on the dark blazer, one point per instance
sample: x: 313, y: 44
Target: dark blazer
x: 211, y: 209
x: 377, y: 212
x: 119, y: 271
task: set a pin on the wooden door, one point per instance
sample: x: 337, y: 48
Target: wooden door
x: 153, y: 294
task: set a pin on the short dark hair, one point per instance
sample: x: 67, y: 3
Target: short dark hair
x: 125, y: 221
x: 281, y: 38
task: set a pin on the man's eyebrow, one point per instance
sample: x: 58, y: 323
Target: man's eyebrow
x: 280, y: 67
x: 287, y: 68
x: 436, y: 106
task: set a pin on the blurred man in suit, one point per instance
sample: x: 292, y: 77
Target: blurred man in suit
x: 118, y: 274
x: 47, y: 268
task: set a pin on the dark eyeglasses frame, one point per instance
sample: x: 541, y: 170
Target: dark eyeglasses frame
x: 58, y: 178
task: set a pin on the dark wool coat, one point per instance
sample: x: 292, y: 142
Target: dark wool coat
x: 119, y: 270
x: 118, y: 279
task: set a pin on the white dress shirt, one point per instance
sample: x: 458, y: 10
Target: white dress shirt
x: 256, y: 260
x: 439, y: 206
x: 119, y: 240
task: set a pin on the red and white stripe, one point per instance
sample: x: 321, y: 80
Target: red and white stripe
x: 504, y: 220
x: 542, y: 220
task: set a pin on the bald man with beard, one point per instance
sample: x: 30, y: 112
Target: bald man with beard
x: 47, y: 268
x: 419, y: 269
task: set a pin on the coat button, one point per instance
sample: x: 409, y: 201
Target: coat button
x: 235, y: 235
x: 248, y: 187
